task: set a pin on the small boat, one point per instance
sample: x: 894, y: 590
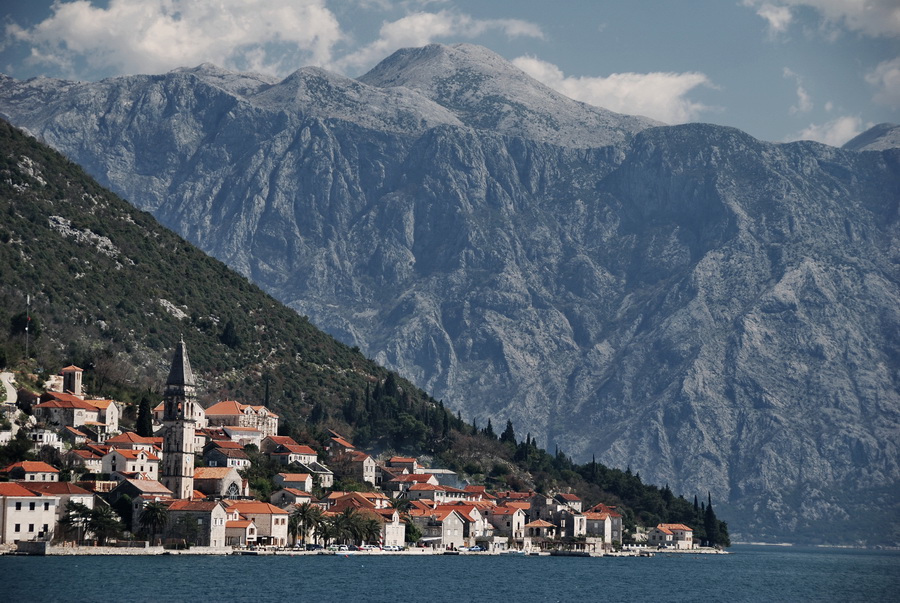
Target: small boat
x: 514, y: 553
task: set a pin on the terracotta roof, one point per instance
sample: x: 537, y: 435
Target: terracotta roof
x: 212, y: 472
x: 238, y: 428
x: 134, y: 454
x: 226, y: 444
x: 193, y: 505
x: 232, y: 408
x: 149, y: 486
x: 596, y: 516
x: 129, y: 437
x: 66, y: 401
x: 420, y: 487
x: 14, y: 489
x: 239, y: 523
x: 282, y: 440
x: 72, y: 367
x: 568, y: 497
x: 402, y: 459
x: 539, y: 523
x: 74, y: 431
x: 668, y: 528
x: 297, y: 449
x: 297, y: 492
x: 504, y: 510
x: 294, y: 477
x: 101, y: 404
x: 414, y: 478
x: 255, y: 507
x: 56, y: 488
x: 31, y: 467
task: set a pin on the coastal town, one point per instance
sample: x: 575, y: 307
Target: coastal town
x: 103, y: 489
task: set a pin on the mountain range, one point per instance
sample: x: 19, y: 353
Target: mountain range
x: 705, y: 308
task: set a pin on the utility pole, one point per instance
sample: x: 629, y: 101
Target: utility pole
x: 27, y: 322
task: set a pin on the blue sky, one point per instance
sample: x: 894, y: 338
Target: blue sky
x: 779, y: 69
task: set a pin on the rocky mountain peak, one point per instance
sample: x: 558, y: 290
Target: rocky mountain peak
x: 877, y: 138
x: 488, y: 92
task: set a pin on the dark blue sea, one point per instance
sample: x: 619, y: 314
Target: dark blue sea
x: 749, y: 574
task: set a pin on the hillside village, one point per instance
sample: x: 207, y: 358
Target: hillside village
x: 186, y: 486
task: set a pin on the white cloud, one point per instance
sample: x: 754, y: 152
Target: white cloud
x: 662, y: 96
x: 869, y: 17
x: 886, y: 78
x: 150, y: 36
x: 835, y: 133
x: 804, y: 101
x: 778, y: 17
x: 421, y: 28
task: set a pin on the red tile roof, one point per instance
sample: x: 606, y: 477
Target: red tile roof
x: 14, y: 489
x: 31, y: 467
x: 57, y: 488
x: 254, y: 507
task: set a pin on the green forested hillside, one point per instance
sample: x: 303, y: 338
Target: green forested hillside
x: 112, y: 291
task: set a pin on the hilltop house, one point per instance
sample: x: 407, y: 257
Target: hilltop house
x: 234, y: 414
x: 138, y: 464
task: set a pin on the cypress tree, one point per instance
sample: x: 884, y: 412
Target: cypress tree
x: 489, y: 431
x: 508, y: 435
x: 144, y: 426
x: 710, y: 523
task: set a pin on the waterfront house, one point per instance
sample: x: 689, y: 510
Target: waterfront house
x: 671, y: 535
x: 540, y: 528
x: 65, y: 492
x: 25, y: 515
x: 200, y: 522
x: 239, y: 531
x: 271, y: 522
x: 507, y: 521
x: 441, y: 528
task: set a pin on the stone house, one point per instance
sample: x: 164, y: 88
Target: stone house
x: 671, y: 535
x: 289, y: 497
x: 202, y: 522
x: 60, y: 410
x: 220, y: 482
x: 507, y: 521
x: 441, y: 528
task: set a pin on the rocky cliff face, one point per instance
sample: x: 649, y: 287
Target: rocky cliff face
x: 711, y: 310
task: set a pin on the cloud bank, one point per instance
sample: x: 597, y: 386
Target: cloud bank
x: 662, y: 96
x: 875, y: 18
x: 151, y: 36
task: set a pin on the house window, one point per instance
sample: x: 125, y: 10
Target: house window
x: 18, y: 506
x: 45, y: 528
x: 18, y: 527
x: 31, y: 527
x: 31, y: 506
x: 31, y: 477
x: 46, y: 506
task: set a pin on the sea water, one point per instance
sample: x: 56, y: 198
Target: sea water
x: 749, y: 573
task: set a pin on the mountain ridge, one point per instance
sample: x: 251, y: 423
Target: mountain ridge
x: 686, y: 300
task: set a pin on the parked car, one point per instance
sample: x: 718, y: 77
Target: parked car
x: 475, y: 549
x: 313, y: 547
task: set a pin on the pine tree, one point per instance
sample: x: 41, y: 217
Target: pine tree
x: 489, y: 431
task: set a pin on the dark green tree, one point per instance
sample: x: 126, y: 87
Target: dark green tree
x: 154, y: 518
x: 144, y: 426
x: 230, y: 336
x: 489, y: 431
x: 710, y: 523
x: 509, y: 434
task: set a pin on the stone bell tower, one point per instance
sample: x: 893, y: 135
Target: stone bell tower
x: 179, y: 412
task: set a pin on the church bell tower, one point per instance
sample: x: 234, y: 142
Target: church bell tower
x: 179, y: 412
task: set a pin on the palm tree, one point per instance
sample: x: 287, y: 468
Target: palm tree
x: 154, y: 517
x: 369, y: 530
x: 346, y: 525
x: 402, y: 505
x: 304, y: 518
x: 326, y: 530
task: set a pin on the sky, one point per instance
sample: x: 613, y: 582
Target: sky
x: 781, y: 70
